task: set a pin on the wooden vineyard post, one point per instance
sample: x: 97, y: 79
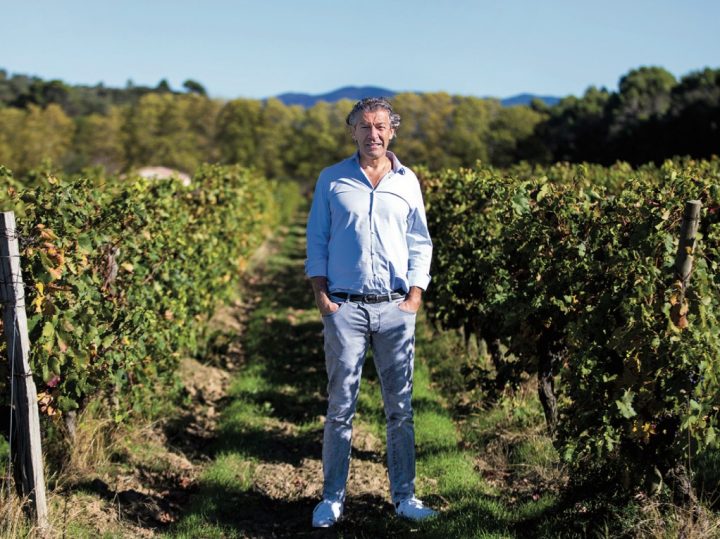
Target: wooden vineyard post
x: 29, y: 472
x: 684, y: 259
x: 678, y: 477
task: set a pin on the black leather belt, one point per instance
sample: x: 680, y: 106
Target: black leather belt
x: 369, y: 298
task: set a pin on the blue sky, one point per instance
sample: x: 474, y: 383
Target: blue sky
x: 261, y: 48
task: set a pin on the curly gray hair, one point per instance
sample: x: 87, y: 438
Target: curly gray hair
x: 371, y: 104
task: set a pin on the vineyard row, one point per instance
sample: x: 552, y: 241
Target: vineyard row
x: 567, y: 272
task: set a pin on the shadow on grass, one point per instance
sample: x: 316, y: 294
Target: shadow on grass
x: 149, y: 511
x: 234, y: 512
x: 187, y: 437
x: 270, y: 445
x: 240, y: 513
x: 292, y: 360
x: 424, y: 405
x: 590, y: 508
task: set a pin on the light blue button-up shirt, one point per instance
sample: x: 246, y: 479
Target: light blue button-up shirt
x: 365, y: 240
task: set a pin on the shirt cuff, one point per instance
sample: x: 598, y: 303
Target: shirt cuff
x: 419, y: 279
x: 316, y: 268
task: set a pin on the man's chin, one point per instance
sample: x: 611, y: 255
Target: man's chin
x: 375, y: 154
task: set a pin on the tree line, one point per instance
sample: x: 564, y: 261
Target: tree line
x: 652, y: 116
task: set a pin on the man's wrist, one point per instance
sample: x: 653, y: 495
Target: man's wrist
x: 319, y: 285
x: 415, y: 293
x: 322, y: 295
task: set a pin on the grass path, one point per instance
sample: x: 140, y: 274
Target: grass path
x: 265, y: 474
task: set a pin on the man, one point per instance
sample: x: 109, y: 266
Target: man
x: 368, y: 258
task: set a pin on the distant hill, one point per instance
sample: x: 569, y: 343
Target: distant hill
x: 355, y: 93
x: 525, y: 99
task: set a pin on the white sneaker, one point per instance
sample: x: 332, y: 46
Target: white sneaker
x: 413, y: 509
x: 326, y: 513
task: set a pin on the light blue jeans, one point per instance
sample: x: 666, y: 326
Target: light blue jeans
x: 348, y: 333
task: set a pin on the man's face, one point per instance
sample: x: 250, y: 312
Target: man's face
x: 373, y: 133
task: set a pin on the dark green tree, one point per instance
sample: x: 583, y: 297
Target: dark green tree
x: 577, y: 128
x: 194, y: 87
x: 694, y: 118
x: 163, y: 86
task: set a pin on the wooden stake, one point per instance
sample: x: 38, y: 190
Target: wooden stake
x: 684, y: 262
x: 688, y: 230
x: 28, y: 457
